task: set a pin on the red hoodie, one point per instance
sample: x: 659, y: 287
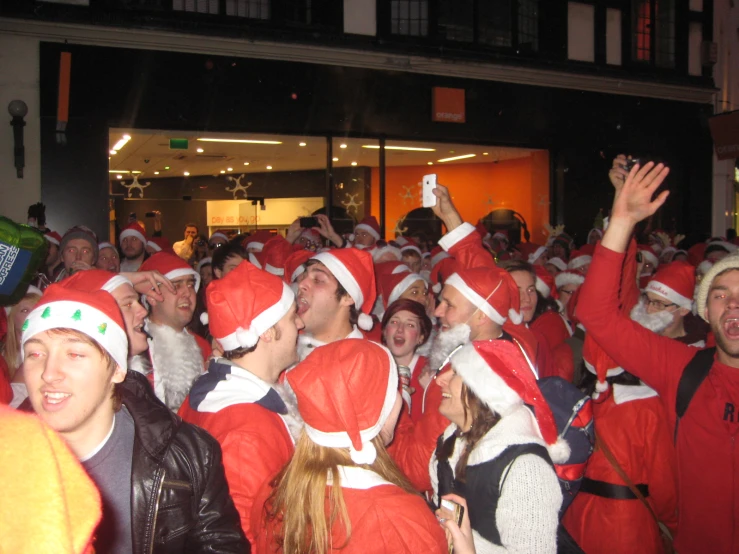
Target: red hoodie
x: 707, y: 454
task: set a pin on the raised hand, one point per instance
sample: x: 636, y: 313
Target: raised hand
x: 444, y: 208
x: 633, y: 202
x: 618, y: 174
x: 325, y: 229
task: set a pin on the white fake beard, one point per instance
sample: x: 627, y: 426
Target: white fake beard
x: 360, y: 246
x: 656, y: 322
x: 445, y: 343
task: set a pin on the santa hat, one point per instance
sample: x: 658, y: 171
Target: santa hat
x: 370, y: 225
x: 437, y: 255
x: 346, y: 391
x: 102, y: 245
x: 598, y: 234
x: 379, y: 252
x: 159, y: 244
x: 557, y: 262
x: 715, y: 244
x: 400, y: 241
x: 499, y: 374
x: 312, y: 235
x: 84, y: 233
x: 599, y: 364
x: 354, y: 270
x: 545, y: 282
x: 696, y: 253
x: 492, y: 291
x: 675, y: 282
x: 94, y: 313
x: 578, y: 259
x: 202, y: 263
x: 649, y: 254
x: 294, y: 265
x: 394, y: 284
x: 272, y: 257
x: 482, y: 230
x: 667, y: 254
x: 53, y: 237
x: 411, y: 245
x: 442, y: 266
x: 96, y: 279
x: 244, y: 304
x: 133, y: 229
x: 703, y: 267
x: 532, y: 251
x: 568, y: 278
x: 218, y: 235
x: 257, y: 240
x: 171, y: 266
x: 501, y: 235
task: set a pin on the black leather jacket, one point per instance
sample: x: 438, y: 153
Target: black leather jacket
x: 180, y: 499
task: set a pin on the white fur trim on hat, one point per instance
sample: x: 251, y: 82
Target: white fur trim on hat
x: 501, y: 236
x: 102, y: 245
x: 219, y: 234
x: 566, y: 278
x: 115, y: 282
x: 401, y: 287
x: 378, y: 253
x: 92, y: 322
x: 537, y: 254
x: 413, y: 247
x: 132, y: 233
x: 201, y: 263
x: 279, y: 271
x: 703, y: 267
x: 559, y: 263
x: 542, y: 287
x: 182, y: 272
x: 580, y: 261
x: 52, y: 240
x: 479, y: 302
x: 438, y: 257
x: 729, y: 262
x: 297, y: 273
x: 246, y: 338
x: 611, y: 372
x: 650, y: 257
x: 343, y: 276
x: 340, y: 439
x: 253, y: 259
x: 154, y: 246
x: 369, y: 229
x: 670, y: 294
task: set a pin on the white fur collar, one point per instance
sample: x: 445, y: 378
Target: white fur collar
x: 353, y: 477
x: 306, y: 343
x: 629, y: 393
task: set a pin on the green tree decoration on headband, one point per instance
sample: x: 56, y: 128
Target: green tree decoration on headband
x: 77, y: 316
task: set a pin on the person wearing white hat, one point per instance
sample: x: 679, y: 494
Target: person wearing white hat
x: 252, y: 315
x: 108, y: 258
x: 139, y: 456
x: 133, y: 245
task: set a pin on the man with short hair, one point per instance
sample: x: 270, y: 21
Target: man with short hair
x: 79, y: 251
x: 185, y: 248
x: 176, y: 357
x: 161, y: 480
x: 133, y: 245
x: 366, y: 233
x: 226, y: 258
x: 239, y: 400
x: 705, y: 435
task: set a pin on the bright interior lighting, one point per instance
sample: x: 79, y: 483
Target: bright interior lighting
x: 156, y: 173
x: 456, y: 158
x: 119, y: 176
x: 230, y: 169
x: 335, y: 159
x: 135, y: 172
x: 303, y: 144
x: 200, y: 150
x: 409, y: 148
x: 269, y: 167
x: 187, y: 173
x: 485, y: 154
x: 223, y: 171
x: 342, y: 146
x: 430, y: 163
x: 241, y: 141
x: 113, y: 152
x: 246, y: 163
x: 354, y: 163
x: 166, y: 167
x: 121, y: 143
x: 118, y: 171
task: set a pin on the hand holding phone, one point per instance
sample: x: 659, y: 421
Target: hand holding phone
x: 454, y: 508
x: 429, y: 184
x: 309, y: 222
x: 630, y: 163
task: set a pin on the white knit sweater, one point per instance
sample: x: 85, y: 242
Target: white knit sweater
x: 527, y: 514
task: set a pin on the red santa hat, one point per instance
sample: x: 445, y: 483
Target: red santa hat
x: 442, y: 266
x: 675, y: 282
x: 578, y: 259
x: 354, y: 270
x: 272, y: 257
x: 492, y: 291
x: 595, y: 232
x: 557, y: 262
x: 500, y: 375
x: 532, y: 251
x: 160, y: 244
x: 400, y: 241
x: 545, y: 282
x: 105, y: 244
x: 370, y: 225
x: 411, y: 244
x: 94, y: 313
x: 346, y: 391
x: 311, y: 235
x: 568, y: 278
x: 133, y: 229
x: 171, y: 266
x: 599, y: 364
x: 257, y: 241
x: 482, y: 230
x: 379, y: 252
x: 244, y: 304
x: 294, y: 265
x: 649, y: 254
x: 53, y: 237
x: 437, y: 255
x: 501, y: 235
x: 202, y: 263
x: 394, y: 284
x: 96, y: 279
x: 218, y: 235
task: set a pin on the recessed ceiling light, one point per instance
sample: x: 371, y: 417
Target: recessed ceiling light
x: 342, y: 146
x: 230, y: 169
x: 335, y: 159
x: 303, y: 144
x: 410, y: 148
x: 430, y: 163
x: 223, y: 171
x: 187, y: 173
x: 240, y: 141
x: 485, y: 154
x: 166, y: 167
x: 465, y: 156
x: 113, y: 152
x: 269, y: 167
x: 121, y: 143
x: 354, y: 163
x: 200, y: 150
x: 119, y: 177
x: 156, y: 173
x: 246, y: 163
x: 135, y: 172
x: 118, y: 171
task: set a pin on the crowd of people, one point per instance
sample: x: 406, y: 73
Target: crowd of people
x: 317, y: 393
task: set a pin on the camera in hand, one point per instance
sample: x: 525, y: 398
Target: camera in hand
x: 308, y: 222
x: 200, y: 243
x: 630, y: 163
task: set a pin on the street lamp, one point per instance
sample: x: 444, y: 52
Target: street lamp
x: 18, y: 110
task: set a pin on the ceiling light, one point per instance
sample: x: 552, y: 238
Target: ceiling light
x: 303, y: 144
x: 409, y: 148
x: 354, y: 163
x: 223, y: 171
x: 187, y: 173
x: 456, y: 158
x: 241, y: 141
x: 156, y: 173
x: 200, y: 150
x: 485, y: 154
x: 135, y: 172
x: 230, y: 169
x: 269, y: 167
x: 430, y: 163
x: 342, y: 146
x: 335, y: 159
x: 246, y: 163
x: 121, y: 143
x: 118, y: 171
x: 119, y: 177
x: 113, y: 152
x: 166, y: 167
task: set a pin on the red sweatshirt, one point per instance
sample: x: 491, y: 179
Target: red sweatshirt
x: 708, y: 457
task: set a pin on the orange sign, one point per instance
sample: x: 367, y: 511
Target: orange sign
x: 725, y: 133
x: 448, y: 105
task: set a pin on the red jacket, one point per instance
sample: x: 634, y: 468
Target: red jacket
x: 636, y: 432
x: 707, y: 454
x: 553, y: 328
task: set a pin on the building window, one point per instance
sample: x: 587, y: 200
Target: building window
x: 253, y: 9
x: 457, y: 20
x: 494, y: 23
x: 528, y: 25
x: 653, y: 23
x: 409, y: 17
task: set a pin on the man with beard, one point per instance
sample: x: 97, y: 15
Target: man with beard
x: 367, y: 233
x: 133, y: 245
x: 253, y: 317
x: 666, y: 305
x: 705, y: 435
x: 176, y: 357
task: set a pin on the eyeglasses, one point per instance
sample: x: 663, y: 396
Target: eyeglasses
x: 656, y: 304
x: 214, y: 245
x: 563, y: 291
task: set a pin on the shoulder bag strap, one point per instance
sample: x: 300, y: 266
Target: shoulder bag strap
x: 693, y: 375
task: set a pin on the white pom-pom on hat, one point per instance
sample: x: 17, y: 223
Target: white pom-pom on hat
x: 560, y: 451
x: 204, y: 318
x: 365, y: 322
x: 367, y: 455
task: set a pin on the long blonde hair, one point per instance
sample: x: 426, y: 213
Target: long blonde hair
x: 305, y: 512
x: 11, y: 348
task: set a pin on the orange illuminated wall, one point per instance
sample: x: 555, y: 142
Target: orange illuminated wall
x: 521, y: 185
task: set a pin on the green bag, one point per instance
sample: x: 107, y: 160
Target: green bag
x: 22, y: 251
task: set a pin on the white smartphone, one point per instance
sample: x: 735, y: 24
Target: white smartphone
x: 429, y: 184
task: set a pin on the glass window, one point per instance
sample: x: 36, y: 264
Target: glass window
x: 641, y: 22
x: 456, y: 20
x: 253, y: 9
x: 528, y: 25
x: 494, y: 23
x: 653, y: 23
x: 409, y: 17
x: 665, y: 35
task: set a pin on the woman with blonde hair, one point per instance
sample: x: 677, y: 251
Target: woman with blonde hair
x: 341, y: 491
x: 11, y: 348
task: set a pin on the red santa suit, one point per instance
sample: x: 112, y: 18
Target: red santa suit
x: 708, y: 489
x: 384, y: 518
x: 251, y: 421
x: 632, y: 422
x: 555, y: 331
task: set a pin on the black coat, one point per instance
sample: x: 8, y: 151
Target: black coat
x: 180, y: 499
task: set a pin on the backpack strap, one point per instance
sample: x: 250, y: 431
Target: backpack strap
x: 693, y: 376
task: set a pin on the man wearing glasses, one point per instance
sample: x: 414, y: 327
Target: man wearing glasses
x: 215, y: 241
